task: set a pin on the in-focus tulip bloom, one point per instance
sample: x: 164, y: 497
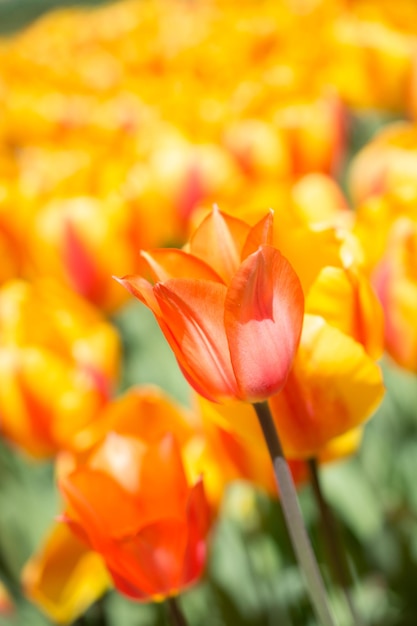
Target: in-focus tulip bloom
x: 52, y: 340
x: 65, y: 576
x: 132, y: 504
x: 334, y: 384
x: 230, y: 306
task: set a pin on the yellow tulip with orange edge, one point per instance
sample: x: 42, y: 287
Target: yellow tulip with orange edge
x: 52, y: 339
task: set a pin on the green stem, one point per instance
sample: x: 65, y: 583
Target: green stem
x: 176, y: 615
x: 331, y: 537
x: 293, y: 517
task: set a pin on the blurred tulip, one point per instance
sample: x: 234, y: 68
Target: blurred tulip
x: 318, y: 200
x: 81, y: 241
x: 65, y: 576
x: 314, y: 132
x: 383, y: 184
x: 395, y: 279
x: 6, y: 602
x: 156, y: 544
x: 387, y: 165
x: 333, y: 387
x: 372, y: 63
x: 344, y: 297
x: 50, y: 339
x: 230, y: 307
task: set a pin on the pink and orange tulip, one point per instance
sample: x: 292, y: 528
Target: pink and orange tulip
x: 230, y: 306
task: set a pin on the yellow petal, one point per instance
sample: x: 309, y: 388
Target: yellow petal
x: 64, y: 578
x: 334, y: 386
x: 346, y: 300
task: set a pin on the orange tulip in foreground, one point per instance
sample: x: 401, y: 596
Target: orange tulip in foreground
x: 230, y: 306
x: 66, y: 575
x: 132, y: 504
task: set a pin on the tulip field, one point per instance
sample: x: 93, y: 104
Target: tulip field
x: 208, y: 313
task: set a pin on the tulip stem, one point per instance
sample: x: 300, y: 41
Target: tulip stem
x: 293, y: 516
x: 331, y: 537
x: 176, y: 615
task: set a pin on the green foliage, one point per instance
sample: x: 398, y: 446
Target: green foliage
x: 15, y: 15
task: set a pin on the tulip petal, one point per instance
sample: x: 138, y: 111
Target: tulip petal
x: 79, y: 263
x: 65, y: 577
x: 167, y: 498
x: 220, y: 238
x: 159, y: 548
x: 198, y: 517
x: 141, y: 289
x: 333, y: 387
x: 263, y: 320
x: 145, y: 413
x: 166, y: 263
x: 260, y: 234
x: 347, y: 301
x: 105, y: 508
x: 309, y: 249
x: 193, y: 313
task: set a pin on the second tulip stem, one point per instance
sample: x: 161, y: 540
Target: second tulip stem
x: 176, y: 615
x: 332, y: 539
x: 293, y: 517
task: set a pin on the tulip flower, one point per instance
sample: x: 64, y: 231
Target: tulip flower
x: 66, y: 574
x: 383, y: 185
x: 396, y: 285
x: 156, y: 544
x: 69, y: 239
x: 50, y: 339
x: 329, y: 391
x: 230, y: 307
x: 372, y: 62
x: 65, y: 577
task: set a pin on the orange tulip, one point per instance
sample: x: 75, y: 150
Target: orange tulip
x: 155, y: 544
x: 230, y: 306
x: 66, y: 575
